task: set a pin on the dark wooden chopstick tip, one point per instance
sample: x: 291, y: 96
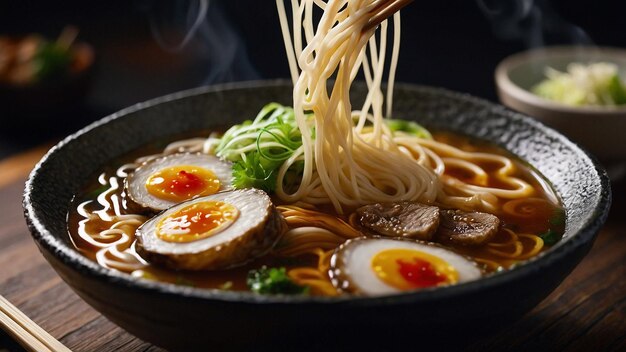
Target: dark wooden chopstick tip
x: 383, y: 11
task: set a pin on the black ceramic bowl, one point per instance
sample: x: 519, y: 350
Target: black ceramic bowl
x: 180, y: 317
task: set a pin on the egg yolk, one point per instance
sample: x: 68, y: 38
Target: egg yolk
x: 197, y: 221
x: 183, y: 182
x: 409, y: 269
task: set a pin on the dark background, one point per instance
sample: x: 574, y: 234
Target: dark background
x: 450, y: 43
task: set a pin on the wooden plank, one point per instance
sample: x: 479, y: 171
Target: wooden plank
x: 16, y: 167
x: 574, y: 313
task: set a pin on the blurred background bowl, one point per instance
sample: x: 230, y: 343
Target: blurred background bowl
x: 599, y: 129
x: 43, y: 102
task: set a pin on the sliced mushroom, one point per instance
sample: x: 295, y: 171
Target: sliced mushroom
x: 403, y: 219
x: 467, y: 228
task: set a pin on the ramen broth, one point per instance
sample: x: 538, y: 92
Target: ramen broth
x: 541, y: 215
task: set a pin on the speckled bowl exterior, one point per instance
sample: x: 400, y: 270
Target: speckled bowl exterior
x: 182, y: 318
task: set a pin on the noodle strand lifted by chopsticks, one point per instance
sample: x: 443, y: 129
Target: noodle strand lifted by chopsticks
x: 342, y: 166
x: 350, y: 156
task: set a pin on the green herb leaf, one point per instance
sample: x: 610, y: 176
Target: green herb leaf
x: 409, y: 127
x: 183, y: 281
x: 260, y: 147
x: 96, y: 192
x: 252, y: 173
x: 273, y: 281
x: 616, y: 90
x: 550, y: 237
x: 558, y: 217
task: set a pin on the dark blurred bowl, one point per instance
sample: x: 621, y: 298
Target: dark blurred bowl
x: 182, y: 318
x: 42, y: 103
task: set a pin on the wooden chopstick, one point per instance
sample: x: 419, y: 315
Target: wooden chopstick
x: 389, y: 7
x: 30, y: 335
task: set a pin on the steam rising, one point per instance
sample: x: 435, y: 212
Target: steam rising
x: 533, y: 21
x: 199, y: 26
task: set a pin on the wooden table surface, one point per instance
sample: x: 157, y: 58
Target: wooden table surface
x: 587, y: 312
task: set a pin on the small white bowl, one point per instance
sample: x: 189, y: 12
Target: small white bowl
x: 601, y: 130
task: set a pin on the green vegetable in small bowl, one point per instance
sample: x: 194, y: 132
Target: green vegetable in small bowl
x: 578, y: 90
x: 594, y: 84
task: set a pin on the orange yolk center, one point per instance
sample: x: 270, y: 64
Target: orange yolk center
x: 183, y: 182
x: 197, y: 221
x: 409, y: 269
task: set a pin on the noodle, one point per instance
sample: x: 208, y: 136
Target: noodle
x: 518, y: 250
x: 352, y: 168
x: 296, y: 216
x: 110, y: 230
x: 310, y: 230
x: 316, y: 278
x: 115, y: 243
x: 526, y: 207
x: 349, y: 163
x: 349, y: 157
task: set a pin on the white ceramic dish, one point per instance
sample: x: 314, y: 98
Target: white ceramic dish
x: 602, y: 130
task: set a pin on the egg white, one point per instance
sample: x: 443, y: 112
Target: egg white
x: 136, y: 182
x: 253, y: 208
x: 354, y: 264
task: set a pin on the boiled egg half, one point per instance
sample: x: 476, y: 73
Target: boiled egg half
x: 163, y: 182
x: 379, y: 266
x: 218, y: 231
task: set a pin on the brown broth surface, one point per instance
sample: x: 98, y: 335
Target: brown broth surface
x: 550, y: 218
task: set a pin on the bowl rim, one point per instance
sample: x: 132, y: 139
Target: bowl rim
x: 507, y: 86
x: 69, y: 256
